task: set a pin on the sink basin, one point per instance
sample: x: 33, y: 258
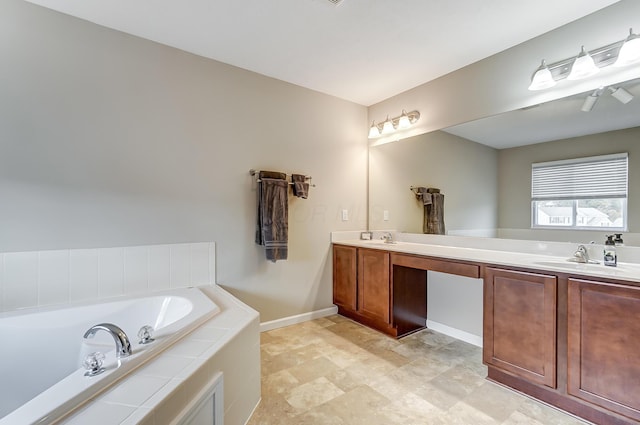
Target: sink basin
x: 379, y: 243
x: 571, y: 265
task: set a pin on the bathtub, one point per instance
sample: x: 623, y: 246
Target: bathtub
x: 41, y: 350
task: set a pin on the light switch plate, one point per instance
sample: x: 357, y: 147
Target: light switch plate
x: 345, y: 215
x: 385, y: 215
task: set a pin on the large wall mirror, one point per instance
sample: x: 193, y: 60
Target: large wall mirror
x: 484, y: 167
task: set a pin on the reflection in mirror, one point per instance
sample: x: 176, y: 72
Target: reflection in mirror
x: 484, y: 167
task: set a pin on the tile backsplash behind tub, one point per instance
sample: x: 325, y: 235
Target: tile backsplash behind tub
x: 39, y: 278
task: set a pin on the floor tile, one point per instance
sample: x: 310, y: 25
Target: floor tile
x: 312, y: 394
x: 495, y: 400
x: 333, y: 371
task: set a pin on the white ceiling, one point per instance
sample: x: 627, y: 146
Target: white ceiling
x: 364, y: 51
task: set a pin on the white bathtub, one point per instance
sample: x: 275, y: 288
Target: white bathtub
x: 41, y: 378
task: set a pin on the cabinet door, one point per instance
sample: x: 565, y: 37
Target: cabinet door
x: 520, y: 324
x: 344, y: 277
x: 373, y: 284
x: 604, y: 345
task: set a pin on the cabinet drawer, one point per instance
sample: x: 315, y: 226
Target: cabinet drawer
x: 443, y: 266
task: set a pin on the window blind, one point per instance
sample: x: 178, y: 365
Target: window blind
x: 597, y: 177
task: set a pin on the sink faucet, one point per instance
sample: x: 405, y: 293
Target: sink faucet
x: 123, y: 346
x: 582, y: 256
x: 388, y: 237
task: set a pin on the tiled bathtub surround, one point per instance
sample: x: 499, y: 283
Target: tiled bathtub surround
x: 39, y: 278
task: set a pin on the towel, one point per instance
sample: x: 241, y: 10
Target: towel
x: 300, y: 185
x: 424, y: 195
x: 273, y: 215
x: 433, y: 201
x: 264, y: 175
x: 434, y: 215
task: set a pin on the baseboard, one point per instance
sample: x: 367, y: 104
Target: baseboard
x: 455, y: 333
x: 253, y: 411
x: 298, y: 318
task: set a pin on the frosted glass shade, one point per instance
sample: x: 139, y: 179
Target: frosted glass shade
x: 583, y: 66
x: 542, y: 79
x: 630, y: 50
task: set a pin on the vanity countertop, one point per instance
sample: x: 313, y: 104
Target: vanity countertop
x: 549, y: 263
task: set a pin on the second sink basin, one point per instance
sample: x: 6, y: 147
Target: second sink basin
x: 572, y: 265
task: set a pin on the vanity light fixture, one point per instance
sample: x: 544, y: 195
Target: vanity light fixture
x: 387, y: 126
x: 587, y: 63
x: 583, y: 66
x: 630, y: 50
x: 404, y: 121
x: 542, y: 79
x: 374, y: 131
x: 390, y: 125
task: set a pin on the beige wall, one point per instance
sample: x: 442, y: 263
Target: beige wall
x: 466, y: 172
x: 514, y: 177
x: 111, y: 140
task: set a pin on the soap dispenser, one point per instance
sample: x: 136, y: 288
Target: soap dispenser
x: 618, y: 240
x: 610, y: 256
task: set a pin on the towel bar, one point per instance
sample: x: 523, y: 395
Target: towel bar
x: 254, y: 172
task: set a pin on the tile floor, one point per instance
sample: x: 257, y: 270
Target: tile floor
x: 333, y: 371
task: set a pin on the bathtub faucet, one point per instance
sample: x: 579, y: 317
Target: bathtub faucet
x: 123, y: 346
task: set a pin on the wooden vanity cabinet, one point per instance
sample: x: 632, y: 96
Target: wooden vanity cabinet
x: 570, y: 341
x: 345, y: 278
x: 361, y: 286
x: 373, y: 285
x: 520, y: 322
x: 604, y: 345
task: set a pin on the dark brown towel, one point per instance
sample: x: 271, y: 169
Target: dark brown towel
x: 433, y: 201
x: 273, y: 215
x: 300, y: 185
x: 265, y: 175
x: 424, y: 195
x: 434, y: 215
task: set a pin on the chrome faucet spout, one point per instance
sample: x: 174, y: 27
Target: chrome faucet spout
x: 581, y: 255
x: 388, y: 237
x: 123, y: 346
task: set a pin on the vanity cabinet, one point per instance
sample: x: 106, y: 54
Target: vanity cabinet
x: 373, y: 285
x: 567, y: 339
x: 386, y: 290
x: 361, y: 286
x: 520, y: 320
x: 345, y: 278
x: 604, y: 345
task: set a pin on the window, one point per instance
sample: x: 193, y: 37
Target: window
x: 582, y: 193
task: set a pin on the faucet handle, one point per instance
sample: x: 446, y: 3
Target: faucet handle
x: 93, y: 363
x: 145, y: 334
